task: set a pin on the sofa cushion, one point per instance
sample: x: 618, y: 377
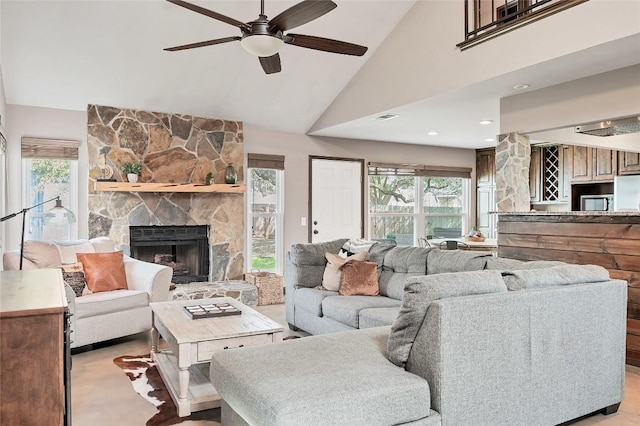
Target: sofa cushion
x: 346, y: 309
x: 555, y: 276
x: 377, y: 317
x: 348, y: 382
x: 442, y: 261
x: 399, y: 264
x: 421, y: 291
x: 377, y: 253
x: 103, y: 271
x: 359, y: 278
x: 107, y: 302
x: 69, y: 249
x: 312, y: 254
x: 311, y: 299
x: 505, y: 264
x: 333, y: 270
x: 42, y: 254
x: 102, y: 244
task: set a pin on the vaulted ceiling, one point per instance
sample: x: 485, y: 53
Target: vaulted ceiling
x: 68, y: 54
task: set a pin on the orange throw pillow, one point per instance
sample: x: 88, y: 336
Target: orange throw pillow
x: 359, y: 278
x: 103, y: 271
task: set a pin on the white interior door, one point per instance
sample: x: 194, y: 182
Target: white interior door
x: 336, y: 199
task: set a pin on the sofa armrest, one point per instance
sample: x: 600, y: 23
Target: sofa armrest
x: 153, y: 278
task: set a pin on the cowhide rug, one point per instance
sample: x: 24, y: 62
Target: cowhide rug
x: 147, y: 382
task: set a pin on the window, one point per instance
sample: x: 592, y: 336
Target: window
x: 411, y: 202
x: 49, y: 170
x: 265, y: 198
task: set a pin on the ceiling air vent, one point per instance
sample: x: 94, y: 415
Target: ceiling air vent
x: 386, y: 117
x: 620, y: 126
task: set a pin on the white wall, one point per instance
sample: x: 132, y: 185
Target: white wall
x: 42, y: 123
x: 297, y: 149
x: 419, y: 59
x: 63, y: 124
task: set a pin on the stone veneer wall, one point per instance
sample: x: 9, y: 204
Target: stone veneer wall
x: 174, y: 148
x: 513, y: 156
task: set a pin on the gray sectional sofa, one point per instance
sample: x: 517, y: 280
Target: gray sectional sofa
x: 471, y: 340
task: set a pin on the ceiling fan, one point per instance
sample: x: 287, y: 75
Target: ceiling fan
x: 264, y: 37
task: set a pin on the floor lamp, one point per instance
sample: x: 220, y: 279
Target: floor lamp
x: 58, y: 209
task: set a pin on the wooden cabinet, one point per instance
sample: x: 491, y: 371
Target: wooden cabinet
x: 486, y: 192
x: 566, y: 171
x: 628, y: 163
x: 535, y: 176
x: 35, y: 354
x: 581, y: 164
x: 594, y: 164
x: 485, y: 167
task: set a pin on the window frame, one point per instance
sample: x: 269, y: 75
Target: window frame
x: 279, y: 218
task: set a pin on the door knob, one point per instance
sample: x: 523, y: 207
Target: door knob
x: 315, y: 222
x: 315, y: 231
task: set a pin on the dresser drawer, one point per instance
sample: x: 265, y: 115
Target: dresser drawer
x: 206, y: 349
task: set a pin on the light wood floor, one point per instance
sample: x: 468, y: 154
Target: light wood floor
x: 102, y: 395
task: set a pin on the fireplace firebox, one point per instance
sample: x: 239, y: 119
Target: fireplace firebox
x: 184, y: 248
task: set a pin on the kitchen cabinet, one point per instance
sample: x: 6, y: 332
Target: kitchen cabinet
x: 535, y: 178
x: 593, y: 164
x: 486, y: 192
x: 628, y: 163
x: 566, y: 160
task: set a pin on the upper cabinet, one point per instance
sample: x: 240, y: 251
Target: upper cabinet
x: 535, y: 180
x: 485, y: 167
x: 628, y: 163
x: 593, y: 164
x: 550, y: 174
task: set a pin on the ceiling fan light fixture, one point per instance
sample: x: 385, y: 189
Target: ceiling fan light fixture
x: 261, y: 45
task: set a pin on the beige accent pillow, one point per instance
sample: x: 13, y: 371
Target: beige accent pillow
x: 42, y: 254
x: 332, y: 272
x: 104, y: 271
x: 68, y: 250
x: 359, y: 278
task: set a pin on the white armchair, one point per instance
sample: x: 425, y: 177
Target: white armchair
x: 97, y: 317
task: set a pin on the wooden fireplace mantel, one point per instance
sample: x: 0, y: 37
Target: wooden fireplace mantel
x: 236, y: 188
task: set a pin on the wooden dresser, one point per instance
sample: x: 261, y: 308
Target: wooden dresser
x: 34, y: 349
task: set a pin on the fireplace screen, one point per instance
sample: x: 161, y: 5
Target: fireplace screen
x: 183, y: 248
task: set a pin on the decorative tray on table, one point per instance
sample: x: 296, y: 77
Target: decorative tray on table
x: 211, y: 310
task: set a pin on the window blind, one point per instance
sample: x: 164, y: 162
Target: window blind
x: 265, y: 161
x: 387, y: 169
x: 50, y: 148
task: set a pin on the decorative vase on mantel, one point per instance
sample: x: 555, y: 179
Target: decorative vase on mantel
x: 230, y: 174
x: 132, y: 177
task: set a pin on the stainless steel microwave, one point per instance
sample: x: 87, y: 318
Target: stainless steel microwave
x: 596, y: 203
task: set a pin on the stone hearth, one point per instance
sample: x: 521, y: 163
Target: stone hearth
x: 172, y: 148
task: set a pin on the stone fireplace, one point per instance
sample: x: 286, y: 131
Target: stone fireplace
x: 172, y: 148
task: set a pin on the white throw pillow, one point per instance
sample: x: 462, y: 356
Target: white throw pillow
x: 333, y: 272
x: 68, y: 250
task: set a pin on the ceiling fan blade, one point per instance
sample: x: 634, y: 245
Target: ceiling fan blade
x: 270, y: 64
x: 203, y: 43
x: 301, y: 13
x: 325, y: 44
x: 210, y: 14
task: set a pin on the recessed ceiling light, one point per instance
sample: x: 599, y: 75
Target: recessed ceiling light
x: 432, y: 133
x: 485, y: 122
x: 490, y: 140
x: 386, y: 117
x: 520, y: 86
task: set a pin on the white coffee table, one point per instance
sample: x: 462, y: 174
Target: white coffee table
x: 184, y: 366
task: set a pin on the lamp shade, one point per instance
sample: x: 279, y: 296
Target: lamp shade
x: 59, y: 215
x: 261, y: 45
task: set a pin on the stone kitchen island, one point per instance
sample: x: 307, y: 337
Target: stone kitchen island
x: 608, y: 239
